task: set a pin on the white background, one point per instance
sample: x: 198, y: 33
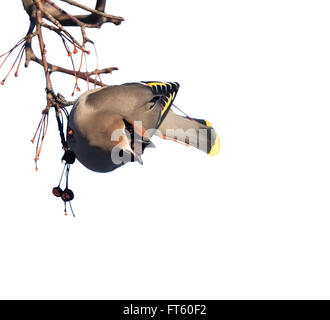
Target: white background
x: 250, y: 223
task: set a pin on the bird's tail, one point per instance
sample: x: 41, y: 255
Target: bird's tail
x: 189, y: 131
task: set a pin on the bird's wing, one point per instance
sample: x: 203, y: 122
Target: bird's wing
x: 165, y: 92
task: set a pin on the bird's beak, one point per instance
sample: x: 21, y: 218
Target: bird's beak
x: 139, y: 140
x: 136, y: 156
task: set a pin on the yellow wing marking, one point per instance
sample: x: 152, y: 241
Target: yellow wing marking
x: 152, y: 84
x: 169, y: 100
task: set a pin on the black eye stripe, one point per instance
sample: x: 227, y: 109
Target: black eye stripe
x: 128, y: 127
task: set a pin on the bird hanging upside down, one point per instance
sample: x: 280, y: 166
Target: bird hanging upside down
x: 113, y: 125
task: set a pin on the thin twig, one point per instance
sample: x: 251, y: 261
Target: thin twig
x: 110, y: 18
x: 81, y: 75
x: 43, y: 54
x: 58, y: 25
x: 81, y: 24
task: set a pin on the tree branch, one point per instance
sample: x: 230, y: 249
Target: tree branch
x: 98, y: 17
x: 47, y: 9
x: 94, y: 20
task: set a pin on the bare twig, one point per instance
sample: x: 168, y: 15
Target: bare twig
x: 99, y: 11
x: 39, y: 9
x: 57, y: 24
x: 94, y: 20
x: 81, y: 24
x: 81, y: 75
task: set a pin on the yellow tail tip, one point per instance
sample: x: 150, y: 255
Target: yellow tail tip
x: 216, y: 147
x: 208, y: 123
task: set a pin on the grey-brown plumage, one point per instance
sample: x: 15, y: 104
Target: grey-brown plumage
x: 113, y: 125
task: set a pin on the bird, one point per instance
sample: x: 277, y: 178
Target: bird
x: 113, y: 125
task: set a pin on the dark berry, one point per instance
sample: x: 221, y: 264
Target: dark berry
x: 67, y: 195
x: 57, y: 192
